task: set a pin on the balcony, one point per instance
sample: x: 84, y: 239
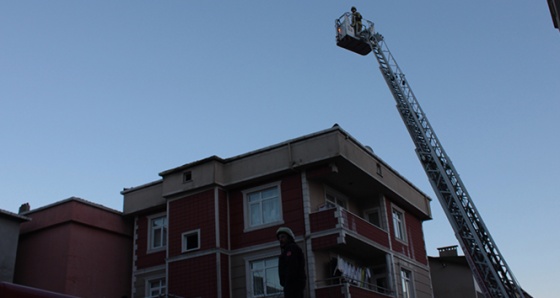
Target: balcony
x: 336, y: 228
x: 349, y: 289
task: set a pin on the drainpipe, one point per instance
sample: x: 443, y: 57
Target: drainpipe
x: 311, y: 266
x: 390, y: 258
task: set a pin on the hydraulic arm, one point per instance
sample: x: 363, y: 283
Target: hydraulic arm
x: 488, y: 265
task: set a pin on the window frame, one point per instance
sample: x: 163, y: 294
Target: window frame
x: 379, y: 212
x: 184, y: 246
x: 338, y: 197
x: 407, y: 283
x: 162, y: 286
x: 247, y: 205
x: 250, y: 277
x: 379, y: 169
x: 151, y: 233
x: 187, y: 177
x: 402, y: 236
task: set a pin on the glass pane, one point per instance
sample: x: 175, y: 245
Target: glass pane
x: 255, y: 214
x: 273, y: 262
x: 258, y: 287
x: 257, y: 265
x: 373, y: 218
x: 270, y: 193
x: 158, y: 222
x: 270, y: 210
x: 405, y: 278
x: 258, y: 283
x: 156, y: 242
x: 272, y: 281
x: 253, y: 197
x: 397, y: 222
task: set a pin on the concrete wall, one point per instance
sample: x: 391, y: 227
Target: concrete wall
x: 452, y: 277
x: 9, y: 229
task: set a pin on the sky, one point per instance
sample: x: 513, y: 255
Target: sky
x: 97, y: 96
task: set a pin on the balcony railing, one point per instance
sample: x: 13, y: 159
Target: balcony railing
x: 337, y: 287
x: 337, y: 219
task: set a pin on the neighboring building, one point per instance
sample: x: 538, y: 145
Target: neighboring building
x: 10, y: 290
x: 554, y: 6
x: 9, y: 229
x: 77, y: 248
x: 207, y: 228
x: 452, y: 276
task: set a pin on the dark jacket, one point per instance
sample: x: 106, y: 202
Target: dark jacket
x: 291, y: 268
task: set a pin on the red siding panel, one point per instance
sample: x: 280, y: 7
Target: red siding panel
x: 196, y: 277
x: 324, y: 242
x: 368, y: 230
x: 416, y: 236
x: 323, y: 220
x: 223, y: 205
x: 191, y: 213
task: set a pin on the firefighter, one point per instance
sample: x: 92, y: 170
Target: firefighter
x: 291, y: 264
x: 356, y: 20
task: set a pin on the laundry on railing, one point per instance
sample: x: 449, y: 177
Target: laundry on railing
x: 350, y: 272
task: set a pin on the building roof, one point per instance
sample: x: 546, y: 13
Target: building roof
x: 76, y: 199
x: 334, y: 128
x: 14, y: 216
x: 332, y: 146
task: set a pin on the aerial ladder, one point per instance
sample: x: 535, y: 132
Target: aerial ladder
x: 487, y: 264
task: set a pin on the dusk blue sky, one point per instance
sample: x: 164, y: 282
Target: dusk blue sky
x: 96, y: 96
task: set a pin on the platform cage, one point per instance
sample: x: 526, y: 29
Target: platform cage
x: 347, y: 38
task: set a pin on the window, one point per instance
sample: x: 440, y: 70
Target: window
x: 406, y: 281
x: 374, y: 217
x: 379, y: 170
x: 264, y: 278
x: 187, y: 176
x: 158, y: 232
x: 156, y: 287
x: 263, y: 206
x: 191, y: 241
x: 335, y: 199
x: 398, y: 223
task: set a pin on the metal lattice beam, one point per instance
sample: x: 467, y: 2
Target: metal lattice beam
x: 487, y: 264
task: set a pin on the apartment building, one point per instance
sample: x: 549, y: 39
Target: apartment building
x: 207, y: 228
x: 73, y: 247
x: 452, y: 277
x: 9, y: 229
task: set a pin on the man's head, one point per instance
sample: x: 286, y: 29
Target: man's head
x: 353, y: 9
x: 285, y: 235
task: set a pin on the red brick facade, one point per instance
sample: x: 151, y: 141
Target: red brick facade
x: 195, y: 277
x: 209, y: 198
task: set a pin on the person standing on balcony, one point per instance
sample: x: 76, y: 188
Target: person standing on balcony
x: 291, y: 264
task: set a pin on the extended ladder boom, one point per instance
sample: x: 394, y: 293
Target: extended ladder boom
x: 486, y: 262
